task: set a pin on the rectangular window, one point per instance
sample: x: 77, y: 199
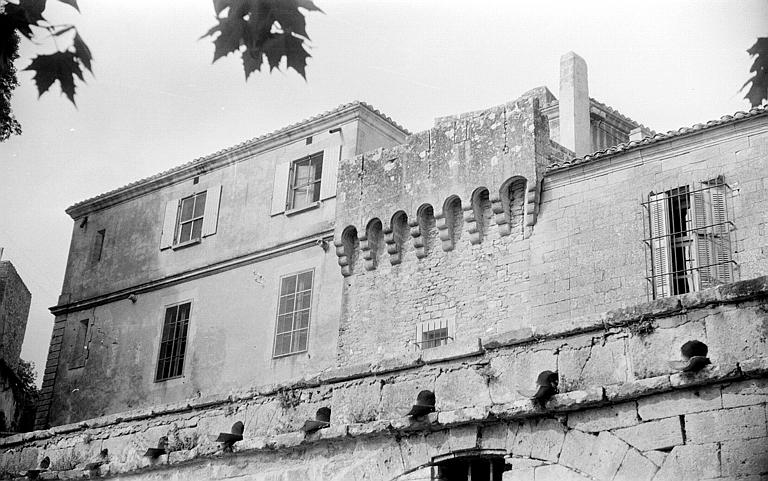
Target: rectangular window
x: 304, y: 184
x: 191, y: 210
x: 98, y: 247
x: 173, y: 343
x: 80, y: 349
x: 433, y: 334
x: 690, y: 238
x: 293, y: 310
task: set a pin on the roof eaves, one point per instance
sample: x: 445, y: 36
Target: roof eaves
x: 659, y: 137
x: 73, y: 209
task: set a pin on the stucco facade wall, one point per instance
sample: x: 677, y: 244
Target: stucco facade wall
x: 577, y: 250
x: 621, y: 414
x: 223, y: 353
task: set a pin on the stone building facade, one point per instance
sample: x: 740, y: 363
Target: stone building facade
x: 15, y: 300
x: 463, y: 260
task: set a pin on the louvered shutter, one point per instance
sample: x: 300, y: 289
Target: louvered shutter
x: 330, y: 171
x: 721, y: 241
x: 660, y: 248
x: 702, y: 215
x: 169, y: 224
x: 280, y: 188
x: 211, y: 215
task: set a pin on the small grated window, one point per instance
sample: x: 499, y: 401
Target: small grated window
x: 173, y: 343
x: 433, y: 334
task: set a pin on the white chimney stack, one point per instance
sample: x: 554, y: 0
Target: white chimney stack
x: 574, y: 105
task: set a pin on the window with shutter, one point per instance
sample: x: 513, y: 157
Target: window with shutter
x: 689, y: 241
x: 189, y: 219
x: 305, y: 179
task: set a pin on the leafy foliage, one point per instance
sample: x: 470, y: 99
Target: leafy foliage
x: 9, y: 51
x: 759, y: 89
x: 63, y: 66
x: 262, y: 29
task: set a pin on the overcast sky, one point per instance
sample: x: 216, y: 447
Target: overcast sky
x: 156, y: 101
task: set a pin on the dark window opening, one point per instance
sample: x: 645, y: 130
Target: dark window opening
x: 173, y: 343
x: 474, y: 468
x: 80, y: 348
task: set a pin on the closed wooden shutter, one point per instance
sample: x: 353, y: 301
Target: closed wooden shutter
x: 211, y: 215
x: 331, y: 161
x: 660, y: 248
x: 169, y: 224
x: 721, y: 240
x: 280, y: 188
x: 702, y: 237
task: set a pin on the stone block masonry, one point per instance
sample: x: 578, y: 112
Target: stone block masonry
x: 709, y: 425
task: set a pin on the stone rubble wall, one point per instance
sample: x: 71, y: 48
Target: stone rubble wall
x: 622, y: 413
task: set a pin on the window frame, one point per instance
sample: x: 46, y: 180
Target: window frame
x: 292, y: 332
x: 688, y: 236
x: 314, y: 181
x: 180, y: 222
x: 173, y: 340
x: 426, y: 328
x: 79, y: 355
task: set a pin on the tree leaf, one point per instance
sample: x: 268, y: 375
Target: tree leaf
x: 252, y: 60
x: 34, y: 10
x: 61, y: 67
x: 64, y: 30
x: 288, y: 46
x: 759, y: 90
x: 230, y: 37
x: 290, y: 19
x: 72, y: 3
x: 82, y: 52
x: 309, y: 5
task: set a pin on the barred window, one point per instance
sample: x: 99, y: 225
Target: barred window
x: 688, y: 238
x: 470, y: 467
x: 293, y: 311
x: 173, y: 343
x: 304, y: 186
x: 433, y: 334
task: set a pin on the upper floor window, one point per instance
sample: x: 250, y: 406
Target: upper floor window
x: 689, y: 239
x: 304, y: 184
x: 293, y: 311
x: 173, y: 343
x: 190, y: 218
x: 191, y: 210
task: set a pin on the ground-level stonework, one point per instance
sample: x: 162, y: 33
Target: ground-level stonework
x: 622, y: 412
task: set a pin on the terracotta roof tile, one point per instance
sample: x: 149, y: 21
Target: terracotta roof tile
x: 255, y: 140
x: 658, y: 137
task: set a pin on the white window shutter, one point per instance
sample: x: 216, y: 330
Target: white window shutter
x: 330, y: 170
x: 169, y: 224
x: 702, y: 215
x: 660, y: 249
x: 211, y: 215
x: 721, y: 240
x: 280, y: 188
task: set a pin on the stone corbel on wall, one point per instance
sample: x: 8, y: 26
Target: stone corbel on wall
x: 419, y: 242
x: 531, y: 206
x: 394, y: 250
x: 344, y: 256
x: 444, y: 231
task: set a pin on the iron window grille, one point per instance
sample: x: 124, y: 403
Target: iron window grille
x: 190, y: 224
x: 480, y: 467
x: 304, y: 185
x: 294, y: 305
x: 688, y: 238
x: 173, y: 344
x: 433, y: 334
